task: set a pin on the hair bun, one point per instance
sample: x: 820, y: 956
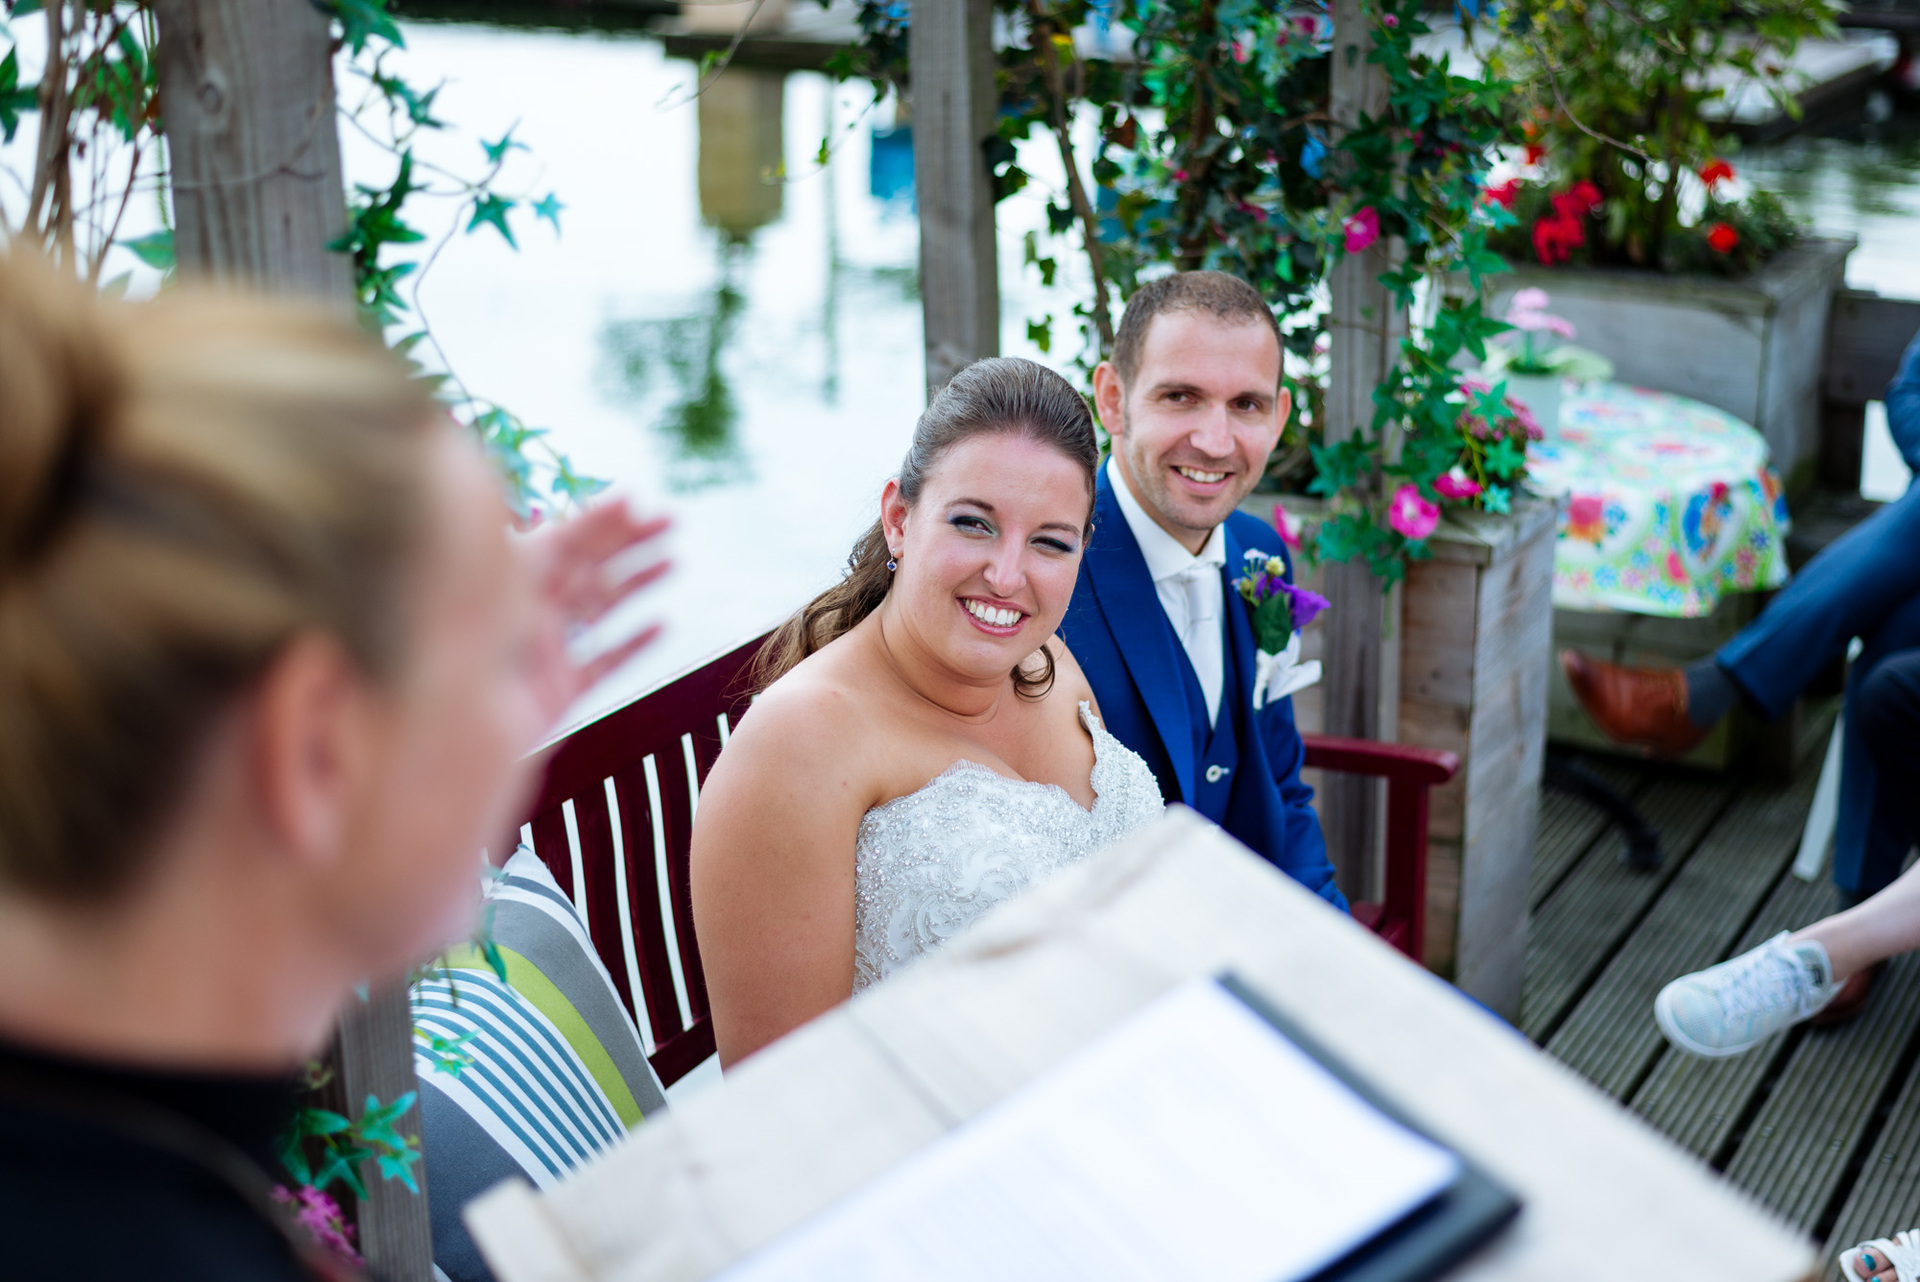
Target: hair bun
x: 56, y: 384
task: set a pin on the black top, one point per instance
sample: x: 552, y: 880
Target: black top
x: 81, y: 1200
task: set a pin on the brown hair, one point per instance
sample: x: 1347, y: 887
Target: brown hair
x: 1002, y: 394
x: 184, y: 486
x: 1223, y: 297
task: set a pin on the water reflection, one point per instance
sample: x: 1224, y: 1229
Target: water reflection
x: 683, y: 355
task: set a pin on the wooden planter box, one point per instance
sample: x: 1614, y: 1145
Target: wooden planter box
x: 1752, y: 347
x: 1475, y: 649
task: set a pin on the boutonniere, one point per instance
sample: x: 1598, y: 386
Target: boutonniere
x: 1279, y: 610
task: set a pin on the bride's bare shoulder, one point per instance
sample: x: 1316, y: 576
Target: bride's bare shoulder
x: 810, y: 719
x: 1068, y: 679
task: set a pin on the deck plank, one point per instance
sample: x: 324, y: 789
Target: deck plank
x: 1570, y: 825
x: 1698, y: 1102
x: 1579, y: 927
x: 1823, y: 1107
x: 1610, y: 1036
x: 1886, y: 1196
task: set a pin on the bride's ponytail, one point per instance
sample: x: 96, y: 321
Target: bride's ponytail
x: 1002, y: 395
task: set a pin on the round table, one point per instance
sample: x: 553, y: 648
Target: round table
x: 1667, y: 503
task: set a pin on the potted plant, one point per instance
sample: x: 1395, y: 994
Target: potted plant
x: 1624, y: 205
x: 1535, y: 362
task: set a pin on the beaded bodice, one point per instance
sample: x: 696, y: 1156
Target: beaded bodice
x: 928, y: 864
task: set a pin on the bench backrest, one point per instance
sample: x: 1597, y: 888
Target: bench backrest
x: 614, y: 822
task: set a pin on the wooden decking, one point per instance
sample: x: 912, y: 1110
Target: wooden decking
x: 1822, y: 1125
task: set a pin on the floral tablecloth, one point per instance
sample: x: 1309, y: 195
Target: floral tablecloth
x: 1668, y: 504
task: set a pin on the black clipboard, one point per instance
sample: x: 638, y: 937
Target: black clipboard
x: 1433, y: 1238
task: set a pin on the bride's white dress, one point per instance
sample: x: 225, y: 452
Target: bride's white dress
x: 929, y: 863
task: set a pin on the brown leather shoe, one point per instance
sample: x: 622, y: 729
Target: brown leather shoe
x: 1640, y: 707
x: 1852, y: 997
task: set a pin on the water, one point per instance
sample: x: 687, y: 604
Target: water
x: 739, y: 351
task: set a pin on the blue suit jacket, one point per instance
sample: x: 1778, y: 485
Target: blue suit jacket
x: 1118, y: 632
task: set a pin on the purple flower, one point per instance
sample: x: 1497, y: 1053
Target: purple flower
x: 1307, y: 605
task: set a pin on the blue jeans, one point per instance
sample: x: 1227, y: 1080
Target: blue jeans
x: 1865, y: 584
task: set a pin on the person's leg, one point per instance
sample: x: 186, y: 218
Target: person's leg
x: 1849, y: 590
x: 1874, y: 830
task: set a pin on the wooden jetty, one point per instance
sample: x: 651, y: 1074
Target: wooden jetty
x: 1820, y: 1125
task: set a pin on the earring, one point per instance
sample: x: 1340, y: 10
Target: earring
x: 892, y: 565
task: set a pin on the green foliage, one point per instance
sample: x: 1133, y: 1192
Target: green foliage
x: 1619, y: 93
x: 323, y: 1147
x: 1216, y: 151
x: 15, y: 98
x: 539, y: 478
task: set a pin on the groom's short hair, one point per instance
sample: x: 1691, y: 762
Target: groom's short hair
x: 1223, y: 297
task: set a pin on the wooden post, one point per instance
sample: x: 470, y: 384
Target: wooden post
x: 950, y: 50
x: 1363, y: 684
x: 247, y: 90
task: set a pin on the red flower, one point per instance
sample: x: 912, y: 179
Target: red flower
x: 1532, y: 153
x: 1721, y: 238
x: 1715, y: 171
x: 1576, y: 200
x: 1503, y: 194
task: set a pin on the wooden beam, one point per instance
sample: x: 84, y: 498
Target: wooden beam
x: 1362, y: 696
x: 950, y: 52
x: 247, y: 89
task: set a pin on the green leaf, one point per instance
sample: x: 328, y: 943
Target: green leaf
x: 364, y: 20
x: 549, y: 207
x: 1504, y: 458
x: 15, y: 98
x: 497, y: 151
x: 154, y: 249
x: 489, y: 208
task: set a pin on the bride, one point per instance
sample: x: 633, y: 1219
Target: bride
x: 926, y: 747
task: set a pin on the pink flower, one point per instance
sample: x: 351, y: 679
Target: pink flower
x: 1675, y: 570
x: 1411, y: 514
x: 1456, y: 485
x: 1287, y: 526
x: 1362, y: 229
x: 1532, y: 299
x: 1390, y: 20
x: 321, y: 1217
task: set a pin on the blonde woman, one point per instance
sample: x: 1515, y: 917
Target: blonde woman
x: 269, y: 668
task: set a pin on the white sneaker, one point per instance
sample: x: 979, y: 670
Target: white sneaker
x: 1738, y: 1004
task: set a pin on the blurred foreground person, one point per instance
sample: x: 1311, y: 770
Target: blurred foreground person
x: 1732, y: 1007
x: 269, y: 669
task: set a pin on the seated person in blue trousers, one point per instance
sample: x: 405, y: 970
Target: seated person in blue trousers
x: 1865, y: 584
x: 1194, y: 403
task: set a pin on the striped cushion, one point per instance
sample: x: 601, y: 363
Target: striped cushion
x: 557, y: 1071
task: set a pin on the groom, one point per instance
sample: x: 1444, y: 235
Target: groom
x: 1193, y: 401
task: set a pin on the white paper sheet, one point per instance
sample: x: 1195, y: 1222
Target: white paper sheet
x: 1193, y: 1142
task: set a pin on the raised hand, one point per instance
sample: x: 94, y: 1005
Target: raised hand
x: 576, y: 583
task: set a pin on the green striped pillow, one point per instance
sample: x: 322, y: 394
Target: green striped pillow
x: 532, y: 1076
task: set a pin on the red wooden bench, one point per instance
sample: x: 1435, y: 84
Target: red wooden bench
x: 614, y: 821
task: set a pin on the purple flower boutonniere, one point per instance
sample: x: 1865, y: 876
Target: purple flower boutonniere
x: 1279, y: 611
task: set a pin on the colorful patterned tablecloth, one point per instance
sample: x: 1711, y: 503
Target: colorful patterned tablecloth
x: 1668, y: 504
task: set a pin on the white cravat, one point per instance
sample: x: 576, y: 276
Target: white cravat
x: 1190, y: 588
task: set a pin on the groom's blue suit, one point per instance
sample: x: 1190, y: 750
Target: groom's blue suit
x: 1243, y: 771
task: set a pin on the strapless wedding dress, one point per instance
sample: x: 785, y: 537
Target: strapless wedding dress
x: 928, y: 864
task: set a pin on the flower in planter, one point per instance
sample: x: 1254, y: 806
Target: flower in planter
x: 1289, y: 527
x: 1715, y: 171
x: 1456, y: 484
x: 1721, y: 238
x: 1362, y: 229
x: 322, y: 1218
x: 1412, y: 514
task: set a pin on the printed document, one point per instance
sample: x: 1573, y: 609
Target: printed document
x: 1193, y: 1142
